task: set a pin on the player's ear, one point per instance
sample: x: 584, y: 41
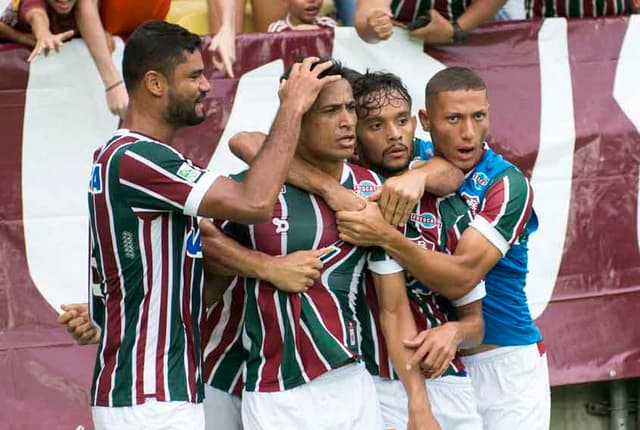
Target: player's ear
x: 155, y: 82
x: 425, y: 121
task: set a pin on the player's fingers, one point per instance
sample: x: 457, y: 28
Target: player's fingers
x: 308, y: 62
x: 84, y: 327
x: 66, y: 317
x: 418, y: 357
x: 375, y: 196
x: 313, y: 274
x: 381, y: 11
x: 402, y: 212
x: 416, y: 341
x: 389, y: 209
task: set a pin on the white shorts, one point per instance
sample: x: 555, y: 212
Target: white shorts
x: 343, y: 398
x: 221, y: 410
x: 452, y: 402
x: 151, y: 415
x: 512, y: 387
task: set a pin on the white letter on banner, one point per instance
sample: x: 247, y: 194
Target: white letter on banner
x: 626, y: 90
x: 553, y: 170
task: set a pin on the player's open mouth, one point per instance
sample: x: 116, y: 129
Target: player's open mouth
x: 347, y: 141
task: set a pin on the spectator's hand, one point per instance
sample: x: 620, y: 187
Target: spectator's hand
x: 303, y: 85
x: 49, y: 42
x: 223, y: 49
x: 379, y: 22
x: 78, y: 324
x: 438, y: 31
x: 398, y: 196
x: 118, y: 100
x: 296, y: 272
x: 435, y: 348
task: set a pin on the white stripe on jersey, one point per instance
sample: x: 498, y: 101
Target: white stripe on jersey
x: 154, y: 166
x: 151, y: 193
x: 522, y: 214
x: 319, y: 225
x: 279, y: 314
x: 505, y: 202
x: 262, y: 330
x: 169, y: 299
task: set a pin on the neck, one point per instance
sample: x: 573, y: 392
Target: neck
x: 148, y: 121
x: 294, y: 21
x: 331, y: 168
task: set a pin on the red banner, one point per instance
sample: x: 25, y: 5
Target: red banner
x: 565, y: 107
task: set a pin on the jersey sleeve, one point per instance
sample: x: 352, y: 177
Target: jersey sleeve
x: 505, y: 210
x: 423, y: 149
x: 381, y: 263
x: 154, y: 177
x: 478, y: 292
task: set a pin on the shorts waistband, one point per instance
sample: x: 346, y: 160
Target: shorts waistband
x: 492, y: 354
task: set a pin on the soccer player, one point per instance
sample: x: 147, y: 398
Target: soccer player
x: 303, y: 347
x: 509, y: 369
x: 143, y: 198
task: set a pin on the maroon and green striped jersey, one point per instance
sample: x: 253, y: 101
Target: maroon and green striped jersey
x: 576, y: 8
x: 293, y: 338
x: 224, y: 354
x: 143, y: 196
x: 406, y: 11
x: 435, y: 224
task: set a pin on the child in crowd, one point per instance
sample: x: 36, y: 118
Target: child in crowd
x: 46, y: 24
x: 301, y: 15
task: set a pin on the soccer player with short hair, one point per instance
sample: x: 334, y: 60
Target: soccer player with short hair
x: 143, y: 199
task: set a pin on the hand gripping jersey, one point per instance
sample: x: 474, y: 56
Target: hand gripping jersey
x: 293, y: 338
x: 500, y: 199
x: 145, y: 243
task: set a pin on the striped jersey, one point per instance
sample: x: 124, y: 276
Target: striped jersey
x: 435, y: 224
x: 406, y: 11
x: 224, y: 354
x: 293, y: 338
x: 576, y: 8
x: 500, y: 198
x: 144, y: 238
x: 285, y: 24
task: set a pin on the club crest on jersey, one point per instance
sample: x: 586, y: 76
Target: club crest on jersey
x: 365, y: 188
x: 473, y: 202
x: 480, y: 180
x: 426, y: 220
x: 95, y: 186
x: 194, y: 244
x: 188, y: 173
x: 423, y: 242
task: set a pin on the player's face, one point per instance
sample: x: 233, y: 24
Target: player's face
x: 385, y: 134
x: 62, y: 7
x: 187, y: 90
x: 303, y: 11
x: 458, y: 122
x: 328, y: 128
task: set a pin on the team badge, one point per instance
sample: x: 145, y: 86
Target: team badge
x: 473, y: 202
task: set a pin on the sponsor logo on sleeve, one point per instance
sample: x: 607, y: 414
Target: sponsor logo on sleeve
x: 365, y: 188
x: 479, y: 180
x: 188, y: 173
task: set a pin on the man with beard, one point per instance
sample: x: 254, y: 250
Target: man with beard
x: 143, y: 199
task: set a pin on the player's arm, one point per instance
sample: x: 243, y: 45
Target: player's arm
x: 435, y: 348
x: 399, y: 194
x: 224, y: 256
x: 397, y: 324
x: 253, y: 199
x: 372, y: 20
x: 246, y: 145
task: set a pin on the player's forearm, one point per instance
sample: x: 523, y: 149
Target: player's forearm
x: 215, y: 286
x: 445, y: 274
x: 39, y: 22
x: 479, y: 12
x: 92, y: 32
x: 268, y: 171
x: 232, y: 256
x: 441, y: 177
x: 470, y: 325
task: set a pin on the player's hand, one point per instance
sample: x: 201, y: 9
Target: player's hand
x: 118, y: 100
x: 363, y: 228
x: 296, y: 272
x: 438, y: 31
x: 303, y: 85
x: 435, y: 348
x: 49, y: 42
x: 344, y: 199
x: 76, y: 319
x: 223, y: 49
x: 379, y: 22
x: 399, y: 195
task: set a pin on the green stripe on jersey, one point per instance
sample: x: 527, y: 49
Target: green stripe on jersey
x: 519, y: 195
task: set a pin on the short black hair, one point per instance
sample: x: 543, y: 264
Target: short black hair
x: 336, y: 68
x: 453, y: 79
x: 156, y: 45
x: 374, y: 90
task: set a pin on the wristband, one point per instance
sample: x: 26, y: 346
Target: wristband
x: 112, y: 86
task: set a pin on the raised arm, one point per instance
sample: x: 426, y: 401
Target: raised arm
x: 372, y: 20
x: 301, y: 174
x: 397, y: 324
x: 223, y: 45
x: 92, y: 32
x: 45, y: 41
x: 9, y: 33
x: 253, y: 199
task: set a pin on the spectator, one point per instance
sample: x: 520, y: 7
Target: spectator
x: 47, y: 24
x: 120, y: 19
x: 536, y: 9
x: 451, y: 21
x: 301, y: 15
